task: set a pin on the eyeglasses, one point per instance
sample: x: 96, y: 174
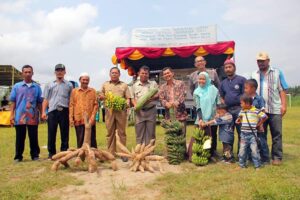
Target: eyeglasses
x: 199, y: 61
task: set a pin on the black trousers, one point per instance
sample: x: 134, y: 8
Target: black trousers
x: 56, y: 118
x: 33, y: 141
x: 80, y: 135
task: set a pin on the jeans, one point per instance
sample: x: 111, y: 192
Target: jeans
x: 263, y: 149
x: 234, y: 111
x: 248, y: 139
x: 274, y: 121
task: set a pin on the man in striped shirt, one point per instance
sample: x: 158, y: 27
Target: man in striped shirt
x: 250, y: 118
x: 272, y: 87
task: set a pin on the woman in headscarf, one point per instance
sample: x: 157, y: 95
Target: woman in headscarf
x: 206, y: 97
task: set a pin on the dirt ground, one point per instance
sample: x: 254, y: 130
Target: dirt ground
x: 108, y: 184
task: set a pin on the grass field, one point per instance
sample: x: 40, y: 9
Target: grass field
x: 28, y: 180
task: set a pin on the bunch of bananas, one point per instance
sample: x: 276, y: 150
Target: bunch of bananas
x: 175, y: 141
x: 200, y: 156
x: 200, y: 161
x: 172, y: 127
x: 113, y: 102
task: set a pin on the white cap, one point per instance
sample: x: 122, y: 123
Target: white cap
x: 84, y: 74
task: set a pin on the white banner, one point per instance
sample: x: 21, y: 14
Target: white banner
x: 173, y: 36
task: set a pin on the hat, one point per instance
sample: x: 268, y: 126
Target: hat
x: 262, y: 56
x: 84, y: 74
x: 229, y: 61
x: 59, y: 66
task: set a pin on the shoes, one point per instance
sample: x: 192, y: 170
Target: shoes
x: 124, y: 159
x: 276, y: 162
x: 265, y: 162
x: 36, y: 159
x: 17, y: 160
x: 50, y: 158
x: 213, y: 159
x: 257, y: 168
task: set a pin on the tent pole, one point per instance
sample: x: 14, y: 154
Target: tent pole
x: 13, y: 77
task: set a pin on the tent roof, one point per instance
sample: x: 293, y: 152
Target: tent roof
x: 6, y: 74
x: 156, y: 58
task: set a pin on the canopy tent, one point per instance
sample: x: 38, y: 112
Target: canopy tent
x: 9, y: 75
x: 156, y: 58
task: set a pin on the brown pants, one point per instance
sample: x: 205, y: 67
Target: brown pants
x: 115, y: 120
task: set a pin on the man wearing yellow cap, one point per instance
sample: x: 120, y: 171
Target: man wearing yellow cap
x: 272, y: 87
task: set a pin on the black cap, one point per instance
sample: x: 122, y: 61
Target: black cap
x: 59, y: 66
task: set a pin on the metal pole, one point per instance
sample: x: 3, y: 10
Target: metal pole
x: 13, y: 76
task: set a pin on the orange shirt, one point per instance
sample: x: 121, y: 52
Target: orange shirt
x: 82, y: 101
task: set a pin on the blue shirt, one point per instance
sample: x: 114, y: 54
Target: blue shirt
x: 58, y: 94
x: 226, y: 133
x: 258, y: 102
x: 232, y: 89
x: 26, y: 99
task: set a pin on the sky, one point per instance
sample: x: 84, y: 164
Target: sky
x: 83, y: 35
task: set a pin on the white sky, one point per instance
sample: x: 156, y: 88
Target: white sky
x: 83, y: 35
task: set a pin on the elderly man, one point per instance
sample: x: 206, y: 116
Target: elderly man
x: 56, y: 99
x: 200, y: 64
x: 231, y: 90
x: 83, y: 102
x: 26, y: 104
x: 272, y: 87
x: 145, y: 119
x: 172, y: 94
x: 115, y: 120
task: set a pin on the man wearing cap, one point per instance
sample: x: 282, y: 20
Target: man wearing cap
x: 145, y: 119
x: 200, y: 64
x: 83, y: 102
x: 272, y: 87
x: 115, y: 120
x: 56, y: 100
x: 26, y: 104
x: 231, y: 90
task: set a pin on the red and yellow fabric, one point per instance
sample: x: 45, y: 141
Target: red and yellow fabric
x: 137, y: 53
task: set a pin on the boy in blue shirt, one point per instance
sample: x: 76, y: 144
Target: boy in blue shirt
x: 259, y: 103
x: 226, y: 135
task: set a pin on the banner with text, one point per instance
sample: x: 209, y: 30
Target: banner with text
x: 173, y: 36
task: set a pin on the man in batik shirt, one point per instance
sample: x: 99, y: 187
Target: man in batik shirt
x: 172, y: 94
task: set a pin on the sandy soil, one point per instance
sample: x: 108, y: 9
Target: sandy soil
x: 108, y: 184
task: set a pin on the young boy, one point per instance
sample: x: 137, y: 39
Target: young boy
x: 259, y: 103
x: 224, y: 120
x: 250, y: 118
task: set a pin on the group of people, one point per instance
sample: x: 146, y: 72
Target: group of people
x: 249, y: 105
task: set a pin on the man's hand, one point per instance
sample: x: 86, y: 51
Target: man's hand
x: 44, y: 116
x: 169, y: 105
x: 12, y: 120
x: 71, y: 123
x: 92, y: 121
x: 238, y: 121
x: 283, y: 110
x: 101, y: 97
x: 176, y: 104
